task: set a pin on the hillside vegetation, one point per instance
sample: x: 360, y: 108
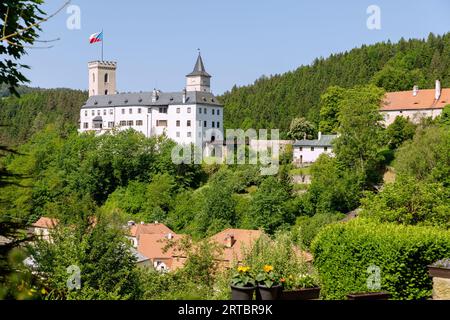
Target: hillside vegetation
x: 272, y: 102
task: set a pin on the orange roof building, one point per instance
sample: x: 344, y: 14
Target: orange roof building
x: 415, y: 104
x: 157, y: 248
x: 46, y: 223
x: 235, y: 242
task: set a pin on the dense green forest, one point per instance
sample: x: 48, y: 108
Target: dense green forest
x: 24, y: 116
x: 272, y: 102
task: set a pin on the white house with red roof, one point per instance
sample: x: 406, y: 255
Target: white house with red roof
x: 416, y: 104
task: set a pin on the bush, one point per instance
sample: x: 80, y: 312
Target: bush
x: 307, y: 228
x: 343, y: 253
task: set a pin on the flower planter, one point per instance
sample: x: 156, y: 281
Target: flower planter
x: 265, y: 293
x: 437, y: 272
x: 242, y: 293
x: 369, y: 296
x: 301, y: 294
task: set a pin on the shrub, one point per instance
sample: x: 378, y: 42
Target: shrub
x: 343, y: 253
x: 306, y: 228
x: 281, y: 253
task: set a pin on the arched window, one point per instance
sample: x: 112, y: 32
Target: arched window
x: 106, y: 77
x: 93, y: 77
x: 106, y: 92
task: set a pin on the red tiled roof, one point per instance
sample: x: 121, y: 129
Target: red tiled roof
x: 242, y: 239
x: 149, y: 228
x: 425, y: 99
x: 47, y: 223
x: 152, y: 245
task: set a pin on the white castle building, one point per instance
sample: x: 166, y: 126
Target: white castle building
x: 191, y: 116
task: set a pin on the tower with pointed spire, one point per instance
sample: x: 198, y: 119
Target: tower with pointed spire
x: 198, y: 79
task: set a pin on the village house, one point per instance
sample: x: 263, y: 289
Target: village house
x: 308, y: 151
x: 42, y: 227
x: 416, y: 104
x: 234, y: 243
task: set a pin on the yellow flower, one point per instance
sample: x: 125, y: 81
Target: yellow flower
x: 267, y: 268
x: 243, y: 269
x: 43, y: 291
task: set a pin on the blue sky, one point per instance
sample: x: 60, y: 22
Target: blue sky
x: 155, y: 42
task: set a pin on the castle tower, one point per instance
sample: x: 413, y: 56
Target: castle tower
x: 102, y: 77
x: 198, y: 79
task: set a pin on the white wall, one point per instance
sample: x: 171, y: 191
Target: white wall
x: 149, y: 120
x: 414, y: 115
x: 309, y: 155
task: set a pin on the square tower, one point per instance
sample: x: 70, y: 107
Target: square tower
x: 102, y: 78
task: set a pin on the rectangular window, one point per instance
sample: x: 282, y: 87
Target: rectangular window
x: 139, y: 122
x: 325, y: 149
x: 130, y: 123
x: 218, y: 124
x: 189, y: 134
x: 130, y: 111
x: 111, y: 124
x: 205, y: 111
x: 85, y: 113
x: 93, y: 112
x: 98, y: 112
x: 149, y: 110
x: 85, y: 125
x: 301, y: 148
x: 218, y: 112
x: 188, y: 123
x: 162, y: 110
x: 213, y: 124
x: 123, y: 111
x: 178, y: 123
x: 178, y: 110
x: 139, y: 110
x: 205, y: 124
x: 178, y: 134
x: 104, y: 112
x: 312, y: 148
x: 200, y: 110
x: 189, y: 109
x: 123, y: 123
x: 213, y: 111
x: 161, y: 123
x: 111, y: 111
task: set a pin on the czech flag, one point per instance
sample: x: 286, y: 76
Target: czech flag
x: 96, y: 37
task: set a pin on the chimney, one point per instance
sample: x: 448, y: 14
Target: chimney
x: 154, y: 95
x: 320, y: 136
x: 184, y: 95
x: 415, y: 90
x: 437, y: 94
x: 229, y: 241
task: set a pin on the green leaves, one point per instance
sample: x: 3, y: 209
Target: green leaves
x: 344, y: 251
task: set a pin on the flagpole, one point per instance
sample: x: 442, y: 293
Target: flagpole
x: 103, y: 37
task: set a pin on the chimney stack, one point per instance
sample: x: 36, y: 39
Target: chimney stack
x: 415, y: 90
x: 154, y: 95
x: 229, y: 241
x: 320, y: 136
x: 437, y: 94
x: 184, y: 95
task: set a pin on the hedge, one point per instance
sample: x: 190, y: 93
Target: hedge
x: 343, y: 252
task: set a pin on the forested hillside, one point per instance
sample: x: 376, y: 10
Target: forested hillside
x: 272, y: 102
x: 22, y: 117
